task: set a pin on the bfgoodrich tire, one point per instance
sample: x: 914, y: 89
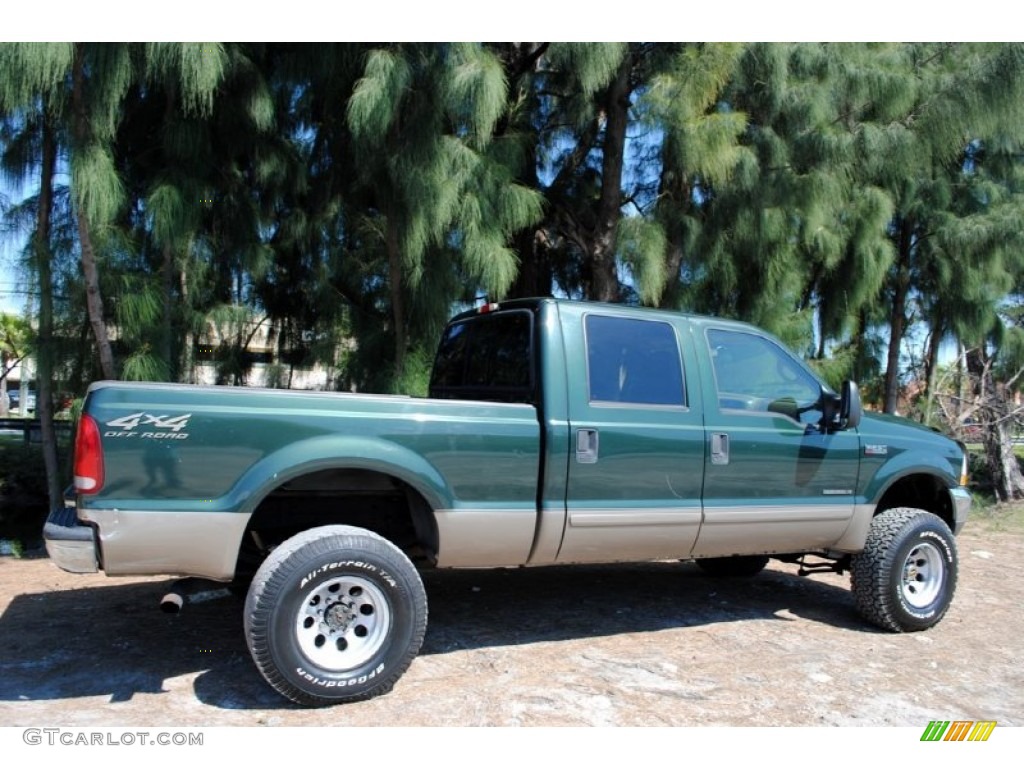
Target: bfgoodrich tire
x: 335, y: 614
x: 905, y: 578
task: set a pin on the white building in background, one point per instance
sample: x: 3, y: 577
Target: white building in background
x: 266, y: 366
x: 19, y: 389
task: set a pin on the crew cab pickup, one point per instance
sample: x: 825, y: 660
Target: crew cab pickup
x: 554, y: 432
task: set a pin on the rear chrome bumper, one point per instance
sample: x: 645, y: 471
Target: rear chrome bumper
x: 70, y: 543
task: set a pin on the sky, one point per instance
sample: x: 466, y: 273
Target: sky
x: 12, y: 287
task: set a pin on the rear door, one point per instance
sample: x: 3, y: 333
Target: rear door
x: 636, y: 454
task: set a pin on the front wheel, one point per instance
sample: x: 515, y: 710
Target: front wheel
x: 335, y: 614
x: 904, y: 579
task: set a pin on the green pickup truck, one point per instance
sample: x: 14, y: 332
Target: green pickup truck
x: 555, y: 432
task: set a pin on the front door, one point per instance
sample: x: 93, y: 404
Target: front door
x: 775, y: 481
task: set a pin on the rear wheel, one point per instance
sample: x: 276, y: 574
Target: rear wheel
x: 335, y: 614
x: 740, y: 567
x: 905, y: 578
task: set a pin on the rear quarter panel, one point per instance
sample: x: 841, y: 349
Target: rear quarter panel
x: 200, y: 459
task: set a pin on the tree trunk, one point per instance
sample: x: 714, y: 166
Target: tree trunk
x: 94, y: 300
x: 931, y: 365
x: 674, y: 193
x: 166, y: 330
x: 897, y: 321
x: 994, y: 418
x: 93, y: 296
x: 3, y: 388
x: 1007, y: 480
x: 4, y: 400
x: 187, y: 372
x: 395, y: 286
x: 44, y: 352
x: 604, y: 278
x: 535, y: 276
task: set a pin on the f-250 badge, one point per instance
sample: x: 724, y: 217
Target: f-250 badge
x: 160, y: 427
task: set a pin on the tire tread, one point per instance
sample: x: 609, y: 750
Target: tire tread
x: 274, y: 574
x: 871, y: 570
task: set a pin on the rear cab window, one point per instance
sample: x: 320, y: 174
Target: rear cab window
x: 487, y: 357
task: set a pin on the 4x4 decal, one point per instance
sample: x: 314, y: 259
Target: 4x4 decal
x: 161, y: 427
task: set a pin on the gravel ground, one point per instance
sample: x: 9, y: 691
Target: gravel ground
x: 653, y: 644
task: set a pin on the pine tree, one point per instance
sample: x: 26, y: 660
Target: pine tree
x: 956, y: 93
x: 422, y: 119
x: 30, y: 90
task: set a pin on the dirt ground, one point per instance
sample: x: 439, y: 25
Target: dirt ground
x: 655, y: 644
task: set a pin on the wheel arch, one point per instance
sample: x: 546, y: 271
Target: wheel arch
x: 341, y: 453
x: 915, y: 487
x: 919, y: 490
x: 385, y: 489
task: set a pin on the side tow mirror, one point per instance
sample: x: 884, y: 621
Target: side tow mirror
x: 850, y: 409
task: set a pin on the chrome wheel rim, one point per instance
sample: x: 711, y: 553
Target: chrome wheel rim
x: 923, y: 573
x: 343, y: 623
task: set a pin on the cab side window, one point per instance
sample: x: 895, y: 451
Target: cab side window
x: 753, y: 373
x: 633, y: 361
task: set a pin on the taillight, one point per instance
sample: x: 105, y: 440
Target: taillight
x: 88, y: 456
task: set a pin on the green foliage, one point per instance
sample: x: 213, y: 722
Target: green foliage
x: 591, y: 65
x: 199, y: 69
x: 642, y: 245
x: 376, y: 98
x: 23, y: 487
x: 31, y: 70
x: 476, y: 89
x: 414, y: 379
x: 837, y: 367
x: 350, y: 195
x: 140, y: 364
x: 23, y: 469
x: 99, y: 192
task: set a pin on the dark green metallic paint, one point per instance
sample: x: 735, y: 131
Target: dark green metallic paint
x: 651, y: 492
x: 242, y: 442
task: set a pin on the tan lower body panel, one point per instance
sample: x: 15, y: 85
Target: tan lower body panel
x: 134, y: 542
x: 619, y: 535
x: 751, y: 530
x: 483, y: 538
x: 856, y: 533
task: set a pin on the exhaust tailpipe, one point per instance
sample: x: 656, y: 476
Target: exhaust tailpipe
x: 191, y: 591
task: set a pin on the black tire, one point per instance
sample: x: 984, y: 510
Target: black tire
x: 740, y: 567
x: 905, y: 578
x: 335, y: 614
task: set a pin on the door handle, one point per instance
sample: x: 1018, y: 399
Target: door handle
x: 719, y: 448
x: 586, y: 446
